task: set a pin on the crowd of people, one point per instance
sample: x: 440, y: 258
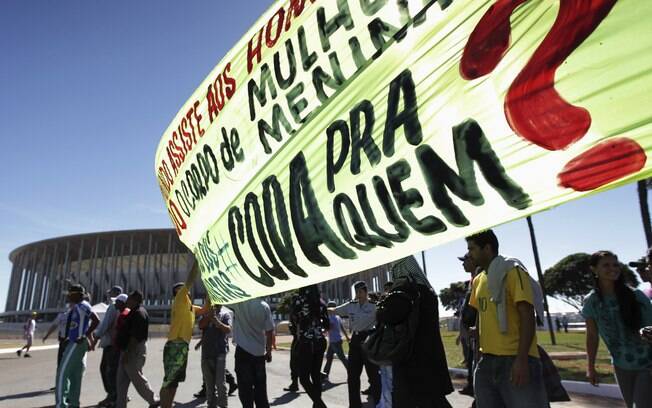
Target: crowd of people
x: 395, y: 338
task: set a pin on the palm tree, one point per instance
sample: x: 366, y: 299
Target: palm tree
x: 643, y: 186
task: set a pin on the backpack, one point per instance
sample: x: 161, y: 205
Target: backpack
x: 397, y: 316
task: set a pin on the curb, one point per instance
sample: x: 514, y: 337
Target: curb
x: 574, y: 387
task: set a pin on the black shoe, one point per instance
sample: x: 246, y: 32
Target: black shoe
x: 232, y: 388
x: 19, y: 352
x: 468, y: 390
x: 27, y: 355
x: 366, y: 392
x: 292, y: 388
x: 200, y: 394
x: 156, y: 404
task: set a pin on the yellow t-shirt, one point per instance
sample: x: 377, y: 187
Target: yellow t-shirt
x: 182, y: 316
x: 517, y: 289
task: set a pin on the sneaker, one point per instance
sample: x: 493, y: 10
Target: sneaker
x: 292, y: 388
x: 19, y: 352
x: 156, y: 404
x: 232, y: 388
x: 27, y: 355
x: 324, y: 376
x: 200, y: 394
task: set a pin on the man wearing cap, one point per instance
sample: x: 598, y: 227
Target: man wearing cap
x: 132, y: 341
x: 109, y: 363
x: 175, y: 351
x: 80, y: 325
x: 467, y: 318
x: 362, y: 315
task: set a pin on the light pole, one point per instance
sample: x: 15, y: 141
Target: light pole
x: 540, y: 275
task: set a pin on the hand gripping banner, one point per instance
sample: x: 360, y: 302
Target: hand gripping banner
x: 339, y: 135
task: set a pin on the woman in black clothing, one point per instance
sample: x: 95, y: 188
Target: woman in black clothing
x: 423, y: 380
x: 309, y: 313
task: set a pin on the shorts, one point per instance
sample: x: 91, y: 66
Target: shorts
x: 28, y: 339
x: 175, y: 360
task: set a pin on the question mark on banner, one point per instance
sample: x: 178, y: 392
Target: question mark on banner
x: 533, y: 107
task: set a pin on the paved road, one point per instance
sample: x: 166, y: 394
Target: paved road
x: 26, y: 382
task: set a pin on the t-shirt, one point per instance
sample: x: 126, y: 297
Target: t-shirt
x: 137, y: 324
x: 120, y: 335
x: 492, y: 340
x: 362, y: 316
x: 61, y: 320
x: 182, y: 316
x: 78, y: 320
x: 335, y: 330
x: 311, y: 319
x: 252, y: 318
x: 213, y: 340
x: 30, y: 327
x: 627, y: 349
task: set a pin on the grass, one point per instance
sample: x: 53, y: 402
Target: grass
x: 566, y: 342
x: 568, y: 369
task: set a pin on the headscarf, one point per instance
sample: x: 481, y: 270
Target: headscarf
x: 408, y: 267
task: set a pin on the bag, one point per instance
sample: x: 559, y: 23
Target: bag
x: 397, y: 316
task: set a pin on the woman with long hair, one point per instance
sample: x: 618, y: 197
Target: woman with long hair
x: 309, y: 313
x: 617, y: 312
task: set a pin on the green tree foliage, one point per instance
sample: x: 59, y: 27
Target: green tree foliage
x: 452, y: 296
x: 283, y: 307
x: 571, y: 279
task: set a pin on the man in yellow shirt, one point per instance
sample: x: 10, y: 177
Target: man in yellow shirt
x: 175, y: 352
x: 509, y: 372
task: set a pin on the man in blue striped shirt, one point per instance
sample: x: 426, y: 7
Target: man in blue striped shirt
x: 80, y: 325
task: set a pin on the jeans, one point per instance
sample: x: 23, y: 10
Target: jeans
x: 252, y: 379
x: 636, y: 386
x: 130, y: 371
x: 294, y: 360
x: 494, y: 389
x: 109, y: 370
x: 312, y: 354
x: 387, y: 386
x: 335, y: 347
x: 214, y: 371
x: 357, y: 360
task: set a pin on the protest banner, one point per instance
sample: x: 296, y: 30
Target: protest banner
x: 339, y: 135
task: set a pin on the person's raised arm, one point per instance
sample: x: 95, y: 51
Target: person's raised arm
x: 592, y: 342
x: 192, y: 275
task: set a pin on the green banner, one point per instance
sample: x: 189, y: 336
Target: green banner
x: 340, y: 135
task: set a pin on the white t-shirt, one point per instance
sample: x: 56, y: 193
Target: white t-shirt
x: 252, y: 319
x: 30, y: 327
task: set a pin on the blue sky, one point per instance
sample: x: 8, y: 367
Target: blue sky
x: 87, y: 89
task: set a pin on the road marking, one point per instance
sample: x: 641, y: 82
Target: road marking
x: 35, y: 348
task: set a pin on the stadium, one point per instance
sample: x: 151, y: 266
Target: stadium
x: 149, y: 260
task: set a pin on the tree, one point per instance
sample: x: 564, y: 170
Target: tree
x: 452, y: 296
x: 571, y: 279
x: 283, y: 307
